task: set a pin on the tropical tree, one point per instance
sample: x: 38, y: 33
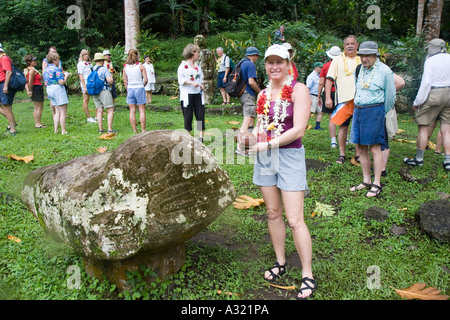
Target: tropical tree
x: 132, y: 24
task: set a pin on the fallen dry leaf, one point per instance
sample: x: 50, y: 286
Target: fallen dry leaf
x: 281, y: 287
x: 354, y: 162
x: 101, y: 149
x: 173, y: 98
x: 419, y: 291
x: 308, y: 127
x: 12, y: 238
x: 404, y: 141
x: 400, y: 131
x: 24, y: 159
x: 431, y: 145
x: 108, y: 136
x: 246, y: 202
x: 410, y: 120
x: 232, y: 122
x: 402, y: 209
x: 227, y: 293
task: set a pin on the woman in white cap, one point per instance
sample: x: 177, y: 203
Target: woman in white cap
x: 283, y: 110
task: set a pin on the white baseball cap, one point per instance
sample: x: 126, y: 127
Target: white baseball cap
x: 1, y: 48
x: 334, y: 52
x: 277, y: 50
x: 106, y: 52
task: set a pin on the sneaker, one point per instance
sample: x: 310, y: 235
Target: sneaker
x: 413, y: 162
x: 333, y: 145
x: 91, y: 120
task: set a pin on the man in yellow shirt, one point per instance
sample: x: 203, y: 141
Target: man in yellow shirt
x: 341, y: 73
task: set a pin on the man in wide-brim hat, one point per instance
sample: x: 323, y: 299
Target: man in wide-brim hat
x: 374, y: 97
x: 104, y: 99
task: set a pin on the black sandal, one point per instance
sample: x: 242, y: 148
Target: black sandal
x: 307, y: 282
x: 281, y: 271
x: 340, y: 159
x: 365, y: 184
x: 376, y: 192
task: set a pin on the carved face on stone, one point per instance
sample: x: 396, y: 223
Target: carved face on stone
x: 200, y: 40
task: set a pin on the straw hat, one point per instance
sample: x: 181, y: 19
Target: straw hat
x: 99, y: 56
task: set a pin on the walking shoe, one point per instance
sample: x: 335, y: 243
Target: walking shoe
x: 413, y: 162
x: 333, y: 145
x: 91, y: 120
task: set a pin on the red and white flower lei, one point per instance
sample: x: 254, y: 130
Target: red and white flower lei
x: 281, y: 103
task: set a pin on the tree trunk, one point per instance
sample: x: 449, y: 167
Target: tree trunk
x: 420, y: 14
x: 132, y: 22
x: 432, y: 25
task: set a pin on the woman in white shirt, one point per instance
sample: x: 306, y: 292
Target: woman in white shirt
x: 150, y: 87
x: 192, y: 99
x: 134, y: 80
x: 84, y: 68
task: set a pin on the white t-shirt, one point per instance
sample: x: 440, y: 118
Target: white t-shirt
x: 436, y: 73
x: 84, y: 68
x: 150, y: 72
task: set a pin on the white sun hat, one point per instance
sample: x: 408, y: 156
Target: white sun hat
x: 334, y: 52
x: 277, y: 50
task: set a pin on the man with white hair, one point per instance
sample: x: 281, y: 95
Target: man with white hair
x: 432, y: 102
x: 334, y: 52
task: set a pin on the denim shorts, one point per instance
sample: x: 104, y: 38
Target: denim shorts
x: 57, y: 94
x: 368, y: 126
x: 7, y: 99
x: 136, y: 96
x: 283, y: 167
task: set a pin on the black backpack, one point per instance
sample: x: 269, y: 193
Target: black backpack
x: 18, y: 80
x: 235, y: 84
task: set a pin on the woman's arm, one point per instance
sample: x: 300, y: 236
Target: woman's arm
x: 125, y: 79
x: 29, y: 85
x: 63, y: 81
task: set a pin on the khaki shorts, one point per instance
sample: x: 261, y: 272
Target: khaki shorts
x: 436, y: 107
x: 248, y: 104
x: 315, y: 104
x: 104, y: 99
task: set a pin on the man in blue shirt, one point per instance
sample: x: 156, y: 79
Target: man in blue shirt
x: 248, y: 98
x: 312, y: 82
x: 374, y: 97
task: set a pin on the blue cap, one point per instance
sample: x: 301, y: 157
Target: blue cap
x: 252, y: 51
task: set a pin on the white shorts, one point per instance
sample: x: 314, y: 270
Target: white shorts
x: 150, y: 86
x: 57, y: 95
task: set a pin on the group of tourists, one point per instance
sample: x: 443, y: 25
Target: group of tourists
x: 353, y: 87
x: 139, y: 81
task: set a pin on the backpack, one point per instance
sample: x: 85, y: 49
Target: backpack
x: 232, y: 66
x: 235, y: 84
x: 18, y: 80
x: 94, y: 85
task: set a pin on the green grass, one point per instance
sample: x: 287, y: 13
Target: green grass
x: 344, y: 245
